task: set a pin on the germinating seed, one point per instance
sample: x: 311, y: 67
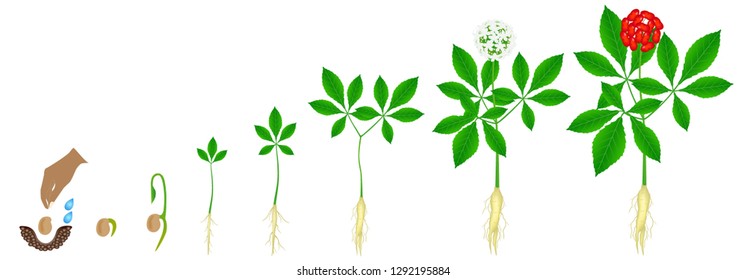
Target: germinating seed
x: 102, y: 227
x: 154, y: 222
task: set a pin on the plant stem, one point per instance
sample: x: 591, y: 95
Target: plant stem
x: 643, y: 173
x: 277, y: 181
x: 210, y: 209
x: 497, y: 156
x: 509, y: 112
x: 163, y: 214
x: 360, y: 167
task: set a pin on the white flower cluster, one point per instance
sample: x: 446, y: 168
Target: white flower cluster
x: 494, y: 39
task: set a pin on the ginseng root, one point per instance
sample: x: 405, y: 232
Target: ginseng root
x: 493, y: 230
x: 274, y: 217
x: 640, y: 229
x: 209, y: 231
x: 359, y: 232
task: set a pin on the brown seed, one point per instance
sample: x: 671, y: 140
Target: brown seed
x: 45, y: 225
x: 154, y: 222
x: 102, y: 227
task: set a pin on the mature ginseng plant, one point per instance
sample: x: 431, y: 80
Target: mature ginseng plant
x: 494, y: 40
x: 642, y: 33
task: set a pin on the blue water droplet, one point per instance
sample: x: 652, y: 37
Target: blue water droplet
x: 69, y: 205
x: 68, y: 217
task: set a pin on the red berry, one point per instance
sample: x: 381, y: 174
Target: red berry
x: 646, y: 38
x: 624, y: 25
x: 657, y: 36
x: 647, y: 47
x: 625, y: 40
x: 631, y: 30
x: 658, y: 24
x: 633, y: 14
x: 633, y: 47
x: 643, y: 27
x: 647, y: 15
x: 637, y: 20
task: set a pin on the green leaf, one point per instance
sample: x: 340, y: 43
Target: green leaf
x: 152, y: 194
x: 324, y: 107
x: 465, y: 144
x: 602, y: 102
x: 220, y: 155
x: 263, y: 133
x: 203, y: 155
x: 546, y: 72
x: 333, y: 86
x: 503, y: 96
x: 212, y: 147
x: 355, y: 90
x: 520, y: 72
x: 464, y: 66
x: 681, y: 113
x: 608, y: 146
x: 609, y: 32
x: 527, y: 116
x: 489, y: 73
x: 381, y: 92
x: 451, y: 124
x: 403, y: 93
x: 701, y: 55
x: 667, y: 57
x: 266, y: 150
x: 649, y: 86
x: 365, y: 113
x: 549, y: 97
x: 276, y: 122
x: 638, y: 59
x: 287, y: 132
x: 707, y: 87
x: 286, y: 150
x: 591, y: 120
x: 612, y: 95
x: 646, y: 140
x: 596, y: 64
x: 494, y: 113
x: 454, y: 89
x: 406, y: 115
x: 494, y: 138
x: 469, y: 107
x: 338, y: 126
x: 387, y: 131
x: 645, y: 106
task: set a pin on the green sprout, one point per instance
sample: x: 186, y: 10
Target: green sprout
x: 211, y: 156
x: 152, y: 222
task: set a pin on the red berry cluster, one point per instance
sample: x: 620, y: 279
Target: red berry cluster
x: 641, y: 28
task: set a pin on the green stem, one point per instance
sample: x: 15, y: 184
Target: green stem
x: 277, y: 181
x: 212, y: 187
x: 497, y: 156
x: 360, y: 167
x: 662, y: 103
x: 643, y: 173
x: 509, y: 112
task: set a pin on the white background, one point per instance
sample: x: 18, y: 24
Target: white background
x: 137, y: 86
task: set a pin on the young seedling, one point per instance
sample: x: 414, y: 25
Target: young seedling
x: 494, y: 40
x: 402, y: 94
x: 211, y: 156
x: 641, y: 32
x: 154, y: 220
x: 276, y: 123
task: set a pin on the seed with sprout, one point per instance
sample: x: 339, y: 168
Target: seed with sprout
x: 494, y: 39
x: 102, y: 227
